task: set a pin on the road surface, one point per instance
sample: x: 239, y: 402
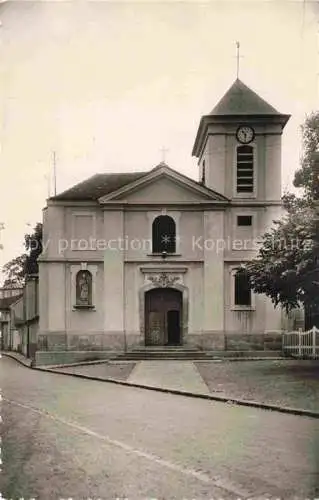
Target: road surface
x: 64, y: 437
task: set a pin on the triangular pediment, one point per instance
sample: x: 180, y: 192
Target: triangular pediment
x: 163, y: 185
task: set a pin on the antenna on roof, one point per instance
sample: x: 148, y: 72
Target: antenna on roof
x: 317, y: 75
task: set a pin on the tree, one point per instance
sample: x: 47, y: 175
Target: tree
x: 310, y: 140
x: 17, y: 269
x: 33, y: 245
x: 14, y: 271
x: 286, y: 267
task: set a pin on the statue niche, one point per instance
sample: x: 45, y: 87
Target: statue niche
x: 84, y: 289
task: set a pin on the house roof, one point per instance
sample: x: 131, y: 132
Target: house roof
x: 98, y: 185
x: 6, y: 302
x: 240, y: 99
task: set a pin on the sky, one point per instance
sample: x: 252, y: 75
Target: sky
x: 107, y: 84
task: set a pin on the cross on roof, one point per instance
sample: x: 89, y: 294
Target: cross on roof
x: 164, y: 150
x: 238, y: 56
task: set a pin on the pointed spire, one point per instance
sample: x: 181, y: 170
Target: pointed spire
x: 240, y: 99
x: 239, y: 102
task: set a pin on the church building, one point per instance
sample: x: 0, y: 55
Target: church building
x: 142, y: 259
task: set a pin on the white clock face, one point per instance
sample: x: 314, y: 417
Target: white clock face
x: 245, y: 135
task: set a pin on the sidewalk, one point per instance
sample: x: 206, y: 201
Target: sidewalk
x: 18, y: 357
x: 173, y: 375
x: 287, y: 386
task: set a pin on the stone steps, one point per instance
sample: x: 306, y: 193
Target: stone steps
x: 184, y: 353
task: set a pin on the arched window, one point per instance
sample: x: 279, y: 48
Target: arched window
x: 242, y: 289
x: 245, y: 169
x: 84, y: 288
x: 164, y: 235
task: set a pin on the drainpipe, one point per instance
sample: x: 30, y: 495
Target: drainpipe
x: 123, y: 286
x: 124, y: 319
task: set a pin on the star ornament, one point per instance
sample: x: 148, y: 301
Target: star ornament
x: 166, y: 239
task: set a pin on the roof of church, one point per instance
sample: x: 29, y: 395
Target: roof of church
x: 240, y: 99
x: 98, y: 185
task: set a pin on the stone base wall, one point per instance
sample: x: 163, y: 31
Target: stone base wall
x: 206, y: 341
x: 273, y: 341
x: 253, y: 342
x: 45, y: 358
x: 93, y: 341
x: 97, y: 345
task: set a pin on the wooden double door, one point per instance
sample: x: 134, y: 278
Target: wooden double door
x: 163, y: 316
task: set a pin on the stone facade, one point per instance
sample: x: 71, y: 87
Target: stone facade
x: 105, y: 226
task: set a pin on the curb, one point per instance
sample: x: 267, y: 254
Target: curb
x: 22, y: 361
x: 210, y: 397
x: 83, y: 363
x: 126, y: 361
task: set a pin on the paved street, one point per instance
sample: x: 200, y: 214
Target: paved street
x: 64, y: 437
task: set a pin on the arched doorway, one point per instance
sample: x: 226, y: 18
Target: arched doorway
x: 163, y: 316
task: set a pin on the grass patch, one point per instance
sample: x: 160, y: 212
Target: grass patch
x: 293, y: 383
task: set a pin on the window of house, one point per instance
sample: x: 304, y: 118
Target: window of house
x: 244, y: 220
x: 203, y: 173
x: 164, y: 234
x: 242, y: 289
x: 245, y: 169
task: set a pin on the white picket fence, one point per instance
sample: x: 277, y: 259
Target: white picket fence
x: 301, y: 344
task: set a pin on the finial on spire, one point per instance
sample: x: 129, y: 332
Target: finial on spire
x: 237, y: 57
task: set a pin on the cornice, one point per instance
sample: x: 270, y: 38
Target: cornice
x: 66, y: 260
x: 255, y: 203
x: 237, y: 259
x: 206, y: 120
x: 163, y: 268
x: 72, y: 203
x: 167, y: 262
x: 229, y: 134
x: 179, y: 206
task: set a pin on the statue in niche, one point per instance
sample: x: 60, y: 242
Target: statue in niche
x: 84, y: 288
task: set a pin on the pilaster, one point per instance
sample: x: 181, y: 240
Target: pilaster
x: 114, y: 299
x: 213, y: 271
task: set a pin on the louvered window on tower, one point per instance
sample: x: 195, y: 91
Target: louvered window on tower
x: 245, y: 169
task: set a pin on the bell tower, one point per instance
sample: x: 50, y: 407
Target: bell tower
x: 238, y: 146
